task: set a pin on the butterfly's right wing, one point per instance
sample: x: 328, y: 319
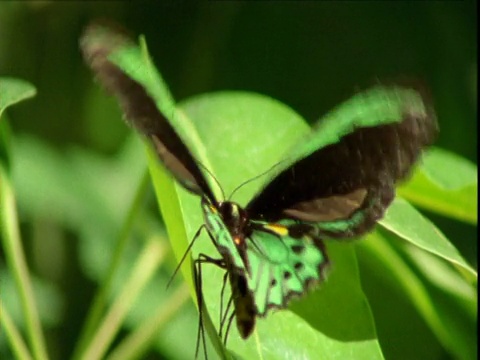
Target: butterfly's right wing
x: 342, y: 176
x: 104, y: 49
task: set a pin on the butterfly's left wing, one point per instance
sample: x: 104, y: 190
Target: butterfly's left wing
x: 342, y: 177
x: 113, y: 57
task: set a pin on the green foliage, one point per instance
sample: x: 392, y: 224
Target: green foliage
x: 403, y: 291
x: 14, y: 91
x: 11, y: 92
x: 451, y: 193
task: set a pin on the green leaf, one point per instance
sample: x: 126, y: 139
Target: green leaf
x: 444, y: 276
x: 449, y: 310
x: 13, y: 91
x: 446, y: 184
x: 407, y: 223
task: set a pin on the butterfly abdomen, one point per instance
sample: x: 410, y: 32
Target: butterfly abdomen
x: 245, y: 309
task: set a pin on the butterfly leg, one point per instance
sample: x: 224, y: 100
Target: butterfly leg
x: 223, y: 318
x: 202, y: 258
x: 230, y: 321
x: 222, y: 292
x: 184, y: 256
x: 224, y: 315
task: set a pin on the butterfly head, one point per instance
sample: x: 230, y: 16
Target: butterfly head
x: 236, y: 220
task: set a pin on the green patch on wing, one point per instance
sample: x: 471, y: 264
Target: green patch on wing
x: 380, y: 105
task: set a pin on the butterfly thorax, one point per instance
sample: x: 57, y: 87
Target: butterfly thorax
x: 236, y: 219
x: 229, y: 227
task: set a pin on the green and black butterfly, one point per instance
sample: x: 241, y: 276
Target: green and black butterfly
x: 336, y: 186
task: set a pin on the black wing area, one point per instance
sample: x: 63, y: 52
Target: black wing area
x: 98, y: 43
x: 356, y: 174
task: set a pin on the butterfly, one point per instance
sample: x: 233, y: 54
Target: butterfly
x: 331, y: 185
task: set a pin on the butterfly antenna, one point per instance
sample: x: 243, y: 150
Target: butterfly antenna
x: 189, y: 248
x: 213, y: 177
x: 253, y: 179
